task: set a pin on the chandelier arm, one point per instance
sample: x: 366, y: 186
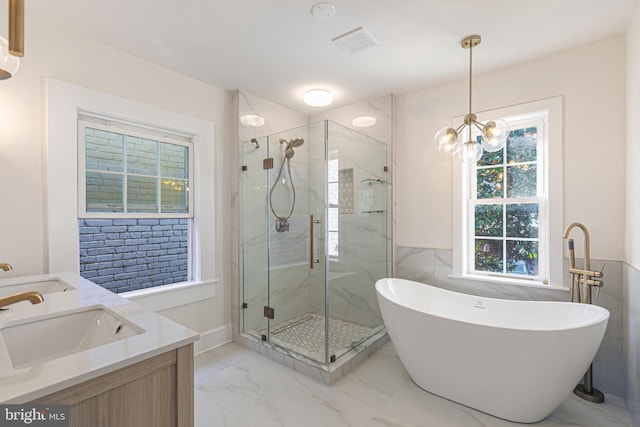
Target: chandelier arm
x: 479, y: 125
x: 461, y: 127
x: 470, y: 73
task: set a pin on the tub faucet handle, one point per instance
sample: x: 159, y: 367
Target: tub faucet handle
x: 601, y: 272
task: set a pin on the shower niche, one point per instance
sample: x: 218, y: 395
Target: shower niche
x: 314, y: 238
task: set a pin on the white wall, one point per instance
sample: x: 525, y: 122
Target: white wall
x: 590, y: 79
x: 54, y: 52
x: 632, y: 241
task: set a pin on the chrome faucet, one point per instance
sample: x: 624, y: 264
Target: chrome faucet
x: 583, y: 279
x: 32, y: 296
x: 6, y: 267
x: 587, y: 279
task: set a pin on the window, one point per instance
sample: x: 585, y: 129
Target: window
x: 128, y: 172
x: 508, y: 206
x: 135, y: 210
x: 333, y: 209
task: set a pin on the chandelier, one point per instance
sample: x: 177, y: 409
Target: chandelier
x: 493, y: 133
x: 12, y: 50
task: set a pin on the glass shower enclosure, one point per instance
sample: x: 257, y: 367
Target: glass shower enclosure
x: 314, y: 238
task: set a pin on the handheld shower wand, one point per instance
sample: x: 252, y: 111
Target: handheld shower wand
x: 282, y: 222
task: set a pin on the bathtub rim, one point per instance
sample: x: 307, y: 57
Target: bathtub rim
x: 604, y: 317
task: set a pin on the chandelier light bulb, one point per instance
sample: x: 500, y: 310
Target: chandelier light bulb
x: 494, y: 135
x: 9, y: 64
x: 470, y: 152
x: 447, y: 140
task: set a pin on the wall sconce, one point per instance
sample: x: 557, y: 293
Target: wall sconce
x: 11, y: 51
x: 364, y: 121
x: 252, y: 120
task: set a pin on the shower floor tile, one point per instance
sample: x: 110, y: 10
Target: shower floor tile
x: 305, y: 335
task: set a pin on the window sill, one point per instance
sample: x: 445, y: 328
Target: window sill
x: 508, y: 281
x: 168, y: 296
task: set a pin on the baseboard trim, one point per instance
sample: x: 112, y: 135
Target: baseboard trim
x: 213, y: 338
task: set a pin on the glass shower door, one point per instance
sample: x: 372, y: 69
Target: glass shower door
x: 358, y: 240
x: 253, y: 237
x: 296, y: 230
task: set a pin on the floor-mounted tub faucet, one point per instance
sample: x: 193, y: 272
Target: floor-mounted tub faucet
x: 582, y: 280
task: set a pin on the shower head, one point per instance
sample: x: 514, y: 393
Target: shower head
x: 296, y: 142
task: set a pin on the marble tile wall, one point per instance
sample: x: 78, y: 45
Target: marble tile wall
x: 631, y: 331
x: 380, y: 108
x: 434, y: 266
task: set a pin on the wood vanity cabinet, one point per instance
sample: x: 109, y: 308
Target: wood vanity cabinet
x: 156, y: 392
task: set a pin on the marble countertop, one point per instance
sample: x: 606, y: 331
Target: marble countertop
x: 25, y: 384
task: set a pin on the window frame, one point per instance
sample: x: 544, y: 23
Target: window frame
x: 553, y: 274
x: 539, y: 120
x: 333, y: 255
x: 156, y: 134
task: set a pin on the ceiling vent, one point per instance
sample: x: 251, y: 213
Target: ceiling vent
x: 355, y: 40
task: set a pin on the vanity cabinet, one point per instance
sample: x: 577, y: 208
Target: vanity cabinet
x: 156, y: 392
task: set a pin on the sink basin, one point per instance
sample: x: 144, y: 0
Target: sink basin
x: 47, y: 286
x: 53, y: 336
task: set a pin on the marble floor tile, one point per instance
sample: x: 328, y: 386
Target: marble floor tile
x: 213, y: 361
x: 236, y: 387
x: 209, y: 413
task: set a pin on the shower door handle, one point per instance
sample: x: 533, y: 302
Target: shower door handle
x: 312, y: 260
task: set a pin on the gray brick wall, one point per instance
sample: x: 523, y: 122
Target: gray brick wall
x: 128, y: 254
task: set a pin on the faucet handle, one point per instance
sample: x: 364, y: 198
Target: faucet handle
x: 601, y: 272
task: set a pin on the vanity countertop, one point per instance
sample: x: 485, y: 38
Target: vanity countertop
x: 25, y: 384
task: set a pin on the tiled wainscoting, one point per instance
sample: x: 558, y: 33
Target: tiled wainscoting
x: 617, y: 364
x: 631, y: 341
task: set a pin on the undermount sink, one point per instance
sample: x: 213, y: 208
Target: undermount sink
x: 47, y: 286
x: 53, y: 336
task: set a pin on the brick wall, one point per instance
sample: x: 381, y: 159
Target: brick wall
x: 128, y: 254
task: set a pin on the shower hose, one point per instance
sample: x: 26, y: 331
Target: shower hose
x: 283, y: 220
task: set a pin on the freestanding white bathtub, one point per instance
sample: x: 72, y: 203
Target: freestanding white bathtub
x: 517, y: 360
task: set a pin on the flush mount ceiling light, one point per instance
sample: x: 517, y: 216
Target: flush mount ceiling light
x: 252, y: 120
x: 318, y: 97
x: 494, y: 132
x: 323, y: 10
x: 364, y: 121
x: 11, y: 51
